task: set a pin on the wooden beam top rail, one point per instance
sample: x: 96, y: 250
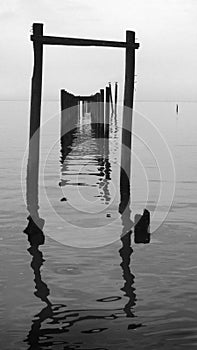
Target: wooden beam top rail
x: 85, y: 98
x: 52, y: 40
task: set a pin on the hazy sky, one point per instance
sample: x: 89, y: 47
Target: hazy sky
x: 166, y: 63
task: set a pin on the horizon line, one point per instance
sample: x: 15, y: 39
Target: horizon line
x: 137, y: 100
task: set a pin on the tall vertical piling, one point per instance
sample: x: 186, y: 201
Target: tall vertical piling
x: 111, y: 98
x: 115, y: 98
x: 102, y: 111
x: 127, y: 118
x: 34, y: 133
x: 107, y: 110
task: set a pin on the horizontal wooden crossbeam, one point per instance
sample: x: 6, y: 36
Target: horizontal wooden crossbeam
x: 85, y: 98
x: 52, y: 40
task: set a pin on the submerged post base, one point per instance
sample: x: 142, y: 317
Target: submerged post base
x: 142, y: 227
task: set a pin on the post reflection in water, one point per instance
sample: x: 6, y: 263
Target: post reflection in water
x: 104, y: 165
x: 85, y: 159
x: 54, y: 321
x: 126, y: 251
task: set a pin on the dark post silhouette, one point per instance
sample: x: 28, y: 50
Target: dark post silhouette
x: 107, y: 111
x: 36, y: 87
x: 62, y: 104
x: 142, y: 227
x: 83, y: 108
x: 116, y: 97
x: 102, y: 112
x: 34, y: 134
x: 127, y: 112
x: 129, y: 69
x: 110, y: 97
x: 94, y: 110
x: 98, y: 108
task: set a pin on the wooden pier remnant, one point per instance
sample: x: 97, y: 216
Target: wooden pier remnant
x: 115, y: 98
x: 127, y: 114
x: 142, y: 228
x: 52, y: 40
x: 71, y: 111
x: 34, y: 133
x: 39, y: 40
x: 102, y: 111
x: 36, y: 86
x: 107, y: 110
x: 111, y: 98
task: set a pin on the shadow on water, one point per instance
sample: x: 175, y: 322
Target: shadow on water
x: 55, y: 324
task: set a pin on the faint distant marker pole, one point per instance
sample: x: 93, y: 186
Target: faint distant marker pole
x: 34, y: 135
x: 127, y: 117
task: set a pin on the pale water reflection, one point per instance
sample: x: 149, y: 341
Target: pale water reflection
x: 120, y: 296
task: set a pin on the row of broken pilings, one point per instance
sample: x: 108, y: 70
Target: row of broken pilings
x: 99, y: 105
x: 100, y: 111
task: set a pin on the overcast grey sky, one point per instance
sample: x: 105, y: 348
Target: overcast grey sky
x: 166, y: 63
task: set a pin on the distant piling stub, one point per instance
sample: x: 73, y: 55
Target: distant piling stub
x: 142, y: 227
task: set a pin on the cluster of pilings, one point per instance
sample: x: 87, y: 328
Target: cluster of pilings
x: 99, y: 105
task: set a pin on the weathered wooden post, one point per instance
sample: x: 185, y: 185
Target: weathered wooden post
x: 66, y: 111
x: 110, y: 98
x: 97, y: 114
x: 83, y: 108
x: 116, y: 98
x: 93, y: 114
x: 75, y: 108
x: 69, y: 119
x: 142, y: 227
x: 88, y: 106
x: 62, y: 111
x: 107, y: 111
x: 36, y: 87
x: 97, y: 109
x: 78, y: 109
x: 127, y: 116
x: 102, y: 112
x: 34, y: 134
x: 98, y: 99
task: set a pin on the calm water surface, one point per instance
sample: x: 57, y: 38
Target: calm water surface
x: 109, y: 294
